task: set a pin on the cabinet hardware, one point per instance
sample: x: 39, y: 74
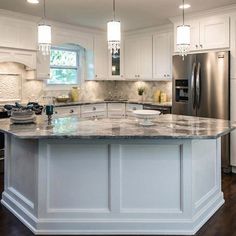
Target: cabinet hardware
x: 201, y: 45
x: 196, y: 46
x: 71, y: 111
x: 164, y: 75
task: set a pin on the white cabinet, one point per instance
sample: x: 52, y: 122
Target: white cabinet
x: 66, y: 111
x: 43, y: 66
x: 162, y: 56
x: 208, y: 33
x: 138, y: 57
x: 101, y: 58
x: 130, y: 107
x: 116, y: 110
x: 214, y: 33
x: 18, y: 34
x: 94, y: 111
x: 233, y: 118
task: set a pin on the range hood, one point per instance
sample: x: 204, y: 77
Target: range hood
x: 27, y: 58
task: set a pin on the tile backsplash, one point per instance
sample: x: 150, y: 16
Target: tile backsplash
x: 34, y: 90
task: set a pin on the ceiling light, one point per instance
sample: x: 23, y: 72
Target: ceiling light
x: 44, y: 34
x: 183, y: 37
x: 113, y: 33
x: 33, y: 1
x: 184, y: 6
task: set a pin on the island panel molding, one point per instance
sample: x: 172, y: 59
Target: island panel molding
x: 74, y: 186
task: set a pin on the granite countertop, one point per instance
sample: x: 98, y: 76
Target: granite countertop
x: 165, y: 104
x: 165, y: 127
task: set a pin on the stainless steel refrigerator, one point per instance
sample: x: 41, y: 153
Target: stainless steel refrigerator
x: 201, y: 88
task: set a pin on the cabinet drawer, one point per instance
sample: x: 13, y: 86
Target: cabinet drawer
x: 65, y: 111
x: 93, y: 108
x: 116, y: 107
x: 94, y: 115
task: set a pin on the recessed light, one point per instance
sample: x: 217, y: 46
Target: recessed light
x: 33, y: 1
x: 185, y: 6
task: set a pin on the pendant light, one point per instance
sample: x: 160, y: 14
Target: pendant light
x: 183, y: 37
x: 44, y: 34
x: 113, y: 33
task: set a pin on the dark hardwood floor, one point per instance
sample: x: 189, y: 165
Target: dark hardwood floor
x: 223, y: 223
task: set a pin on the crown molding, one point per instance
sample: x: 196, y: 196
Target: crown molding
x: 151, y: 30
x: 229, y: 9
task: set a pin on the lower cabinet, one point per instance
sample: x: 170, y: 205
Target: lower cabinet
x: 233, y: 119
x: 116, y: 110
x: 130, y: 107
x: 94, y: 111
x: 65, y: 111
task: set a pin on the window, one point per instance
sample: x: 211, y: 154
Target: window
x: 64, y: 66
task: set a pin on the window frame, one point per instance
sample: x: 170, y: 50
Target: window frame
x: 77, y: 68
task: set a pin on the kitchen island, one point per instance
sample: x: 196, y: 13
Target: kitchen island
x: 114, y: 176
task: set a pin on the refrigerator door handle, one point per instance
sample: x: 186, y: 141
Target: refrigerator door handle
x: 198, y: 85
x: 193, y: 84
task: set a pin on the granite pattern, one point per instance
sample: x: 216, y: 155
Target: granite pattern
x: 165, y: 127
x: 163, y: 104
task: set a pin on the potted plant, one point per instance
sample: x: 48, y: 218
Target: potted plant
x: 141, y: 91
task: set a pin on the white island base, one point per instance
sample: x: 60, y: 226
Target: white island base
x: 73, y: 186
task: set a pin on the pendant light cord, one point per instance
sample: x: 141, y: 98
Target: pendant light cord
x: 114, y: 9
x: 44, y: 9
x: 183, y: 12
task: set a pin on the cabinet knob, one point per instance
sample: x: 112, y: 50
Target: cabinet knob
x: 196, y: 46
x: 164, y: 75
x: 94, y: 108
x: 201, y: 45
x: 168, y: 75
x: 96, y: 76
x: 71, y: 111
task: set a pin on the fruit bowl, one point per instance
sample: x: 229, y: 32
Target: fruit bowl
x: 146, y: 116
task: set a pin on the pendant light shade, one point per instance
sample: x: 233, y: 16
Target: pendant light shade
x: 44, y: 35
x: 113, y: 33
x: 183, y: 38
x: 113, y: 36
x: 44, y: 38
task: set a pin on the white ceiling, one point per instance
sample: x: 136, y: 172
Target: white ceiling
x: 134, y: 14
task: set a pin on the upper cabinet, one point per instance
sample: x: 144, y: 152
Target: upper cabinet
x: 18, y: 34
x: 100, y: 58
x: 138, y: 57
x: 115, y: 65
x: 214, y: 33
x: 43, y: 66
x: 208, y: 33
x: 162, y: 56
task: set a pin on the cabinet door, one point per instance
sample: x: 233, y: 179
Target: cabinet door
x: 214, y: 33
x: 233, y: 118
x: 194, y: 35
x: 162, y: 56
x: 131, y: 58
x: 116, y: 110
x: 17, y: 34
x: 145, y: 58
x: 101, y: 58
x: 43, y: 66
